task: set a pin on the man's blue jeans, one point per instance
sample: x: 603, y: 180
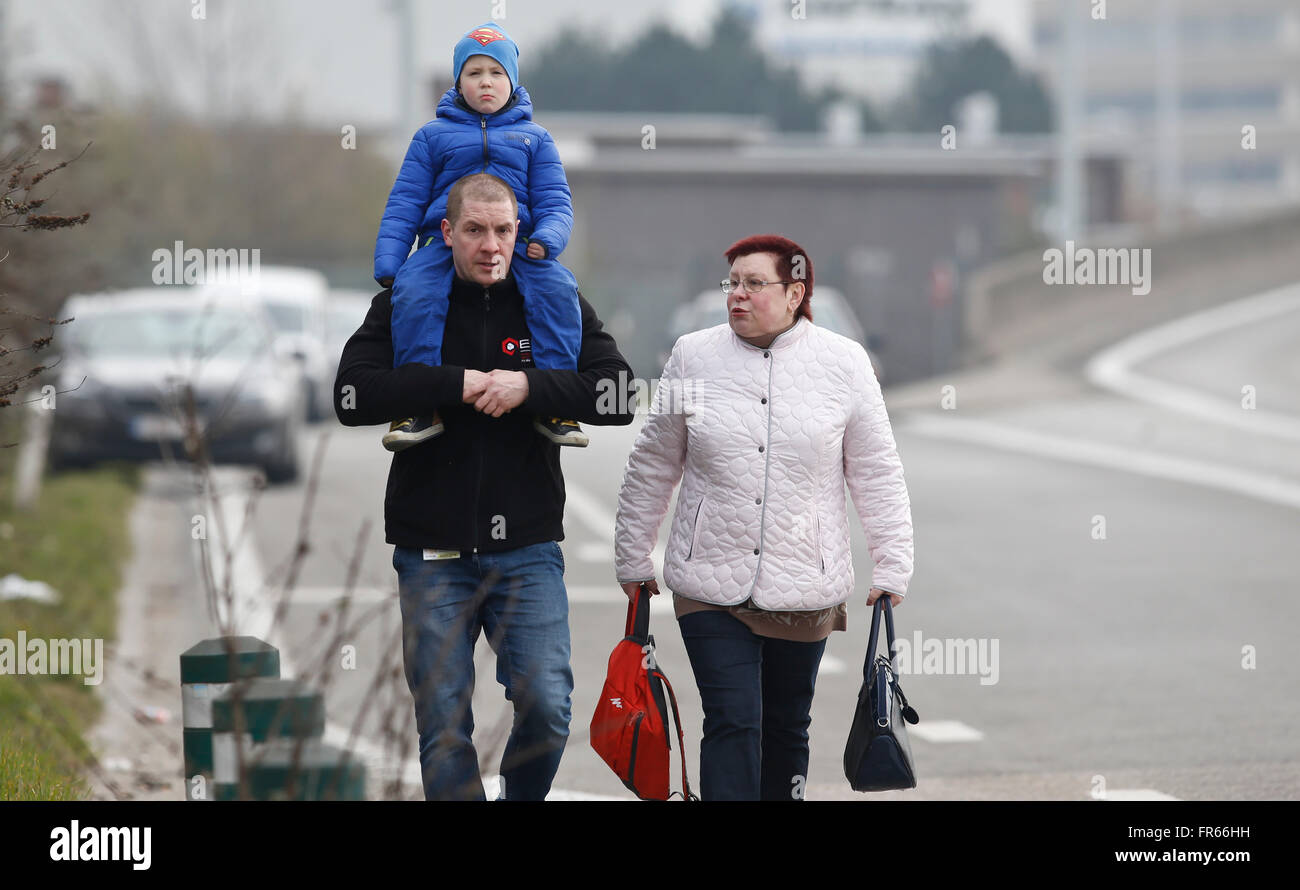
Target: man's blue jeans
x: 757, y: 696
x: 517, y: 598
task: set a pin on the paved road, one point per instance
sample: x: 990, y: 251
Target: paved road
x: 1120, y: 656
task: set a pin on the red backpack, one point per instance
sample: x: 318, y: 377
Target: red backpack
x: 630, y: 727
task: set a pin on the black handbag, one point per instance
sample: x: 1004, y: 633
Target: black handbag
x: 878, y: 756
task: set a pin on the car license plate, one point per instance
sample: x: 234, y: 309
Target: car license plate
x: 156, y: 426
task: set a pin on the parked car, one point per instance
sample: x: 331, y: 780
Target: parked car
x: 128, y: 359
x: 830, y: 310
x: 295, y: 300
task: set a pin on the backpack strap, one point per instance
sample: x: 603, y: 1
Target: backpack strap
x: 686, y: 793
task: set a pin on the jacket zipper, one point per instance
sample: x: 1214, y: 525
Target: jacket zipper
x: 482, y: 121
x: 821, y: 551
x: 883, y: 699
x: 631, y: 759
x: 478, y: 478
x: 695, y: 530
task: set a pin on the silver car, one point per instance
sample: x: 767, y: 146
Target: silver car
x: 133, y: 362
x: 294, y: 299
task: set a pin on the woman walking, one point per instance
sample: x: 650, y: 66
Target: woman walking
x: 763, y: 420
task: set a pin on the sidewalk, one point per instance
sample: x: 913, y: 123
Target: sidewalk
x: 159, y: 616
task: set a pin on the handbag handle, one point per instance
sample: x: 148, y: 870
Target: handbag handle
x: 637, y: 627
x: 882, y: 605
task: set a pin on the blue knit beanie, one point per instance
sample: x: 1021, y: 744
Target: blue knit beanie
x: 487, y: 40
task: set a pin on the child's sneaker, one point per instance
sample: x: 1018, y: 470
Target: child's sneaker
x: 412, y: 431
x: 561, y: 431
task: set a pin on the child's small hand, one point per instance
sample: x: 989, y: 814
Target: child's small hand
x: 536, y: 251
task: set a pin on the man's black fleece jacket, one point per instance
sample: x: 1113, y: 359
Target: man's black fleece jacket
x: 486, y: 484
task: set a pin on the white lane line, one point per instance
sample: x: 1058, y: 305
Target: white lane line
x: 242, y: 607
x: 1137, y: 794
x: 599, y: 521
x: 596, y: 551
x: 1270, y: 488
x: 943, y: 731
x: 1112, y: 368
x: 831, y: 665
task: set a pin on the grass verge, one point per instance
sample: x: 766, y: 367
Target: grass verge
x: 77, y: 540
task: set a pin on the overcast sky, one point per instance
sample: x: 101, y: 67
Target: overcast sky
x: 334, y: 60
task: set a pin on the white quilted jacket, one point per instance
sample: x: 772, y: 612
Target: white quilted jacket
x: 763, y: 441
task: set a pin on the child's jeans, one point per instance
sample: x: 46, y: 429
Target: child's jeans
x: 420, y: 300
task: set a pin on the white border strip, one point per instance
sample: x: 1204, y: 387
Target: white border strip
x: 1272, y: 489
x: 1112, y: 368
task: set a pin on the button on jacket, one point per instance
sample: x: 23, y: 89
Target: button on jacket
x: 764, y: 442
x: 486, y: 483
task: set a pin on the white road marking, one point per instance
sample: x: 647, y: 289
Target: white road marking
x: 599, y: 521
x: 943, y: 731
x: 831, y: 665
x: 596, y: 551
x: 1112, y: 368
x: 242, y: 606
x: 1270, y: 488
x: 1137, y: 794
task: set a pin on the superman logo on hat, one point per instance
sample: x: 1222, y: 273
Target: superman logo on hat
x: 484, y: 36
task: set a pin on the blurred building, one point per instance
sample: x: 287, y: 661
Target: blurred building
x: 1237, y: 65
x: 896, y: 223
x: 866, y: 48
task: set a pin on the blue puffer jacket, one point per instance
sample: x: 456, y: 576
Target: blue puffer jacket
x: 461, y: 141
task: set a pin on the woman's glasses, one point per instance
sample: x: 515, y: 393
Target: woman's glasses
x: 751, y: 285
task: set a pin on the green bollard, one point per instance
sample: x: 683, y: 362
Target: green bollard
x: 272, y: 718
x: 315, y: 771
x: 207, y: 670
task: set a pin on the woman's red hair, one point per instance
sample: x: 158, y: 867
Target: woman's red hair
x: 784, y: 251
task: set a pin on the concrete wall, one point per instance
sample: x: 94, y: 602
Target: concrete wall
x: 1010, y: 308
x: 644, y: 243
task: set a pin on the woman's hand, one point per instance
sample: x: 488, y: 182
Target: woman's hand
x: 874, y: 594
x: 631, y: 588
